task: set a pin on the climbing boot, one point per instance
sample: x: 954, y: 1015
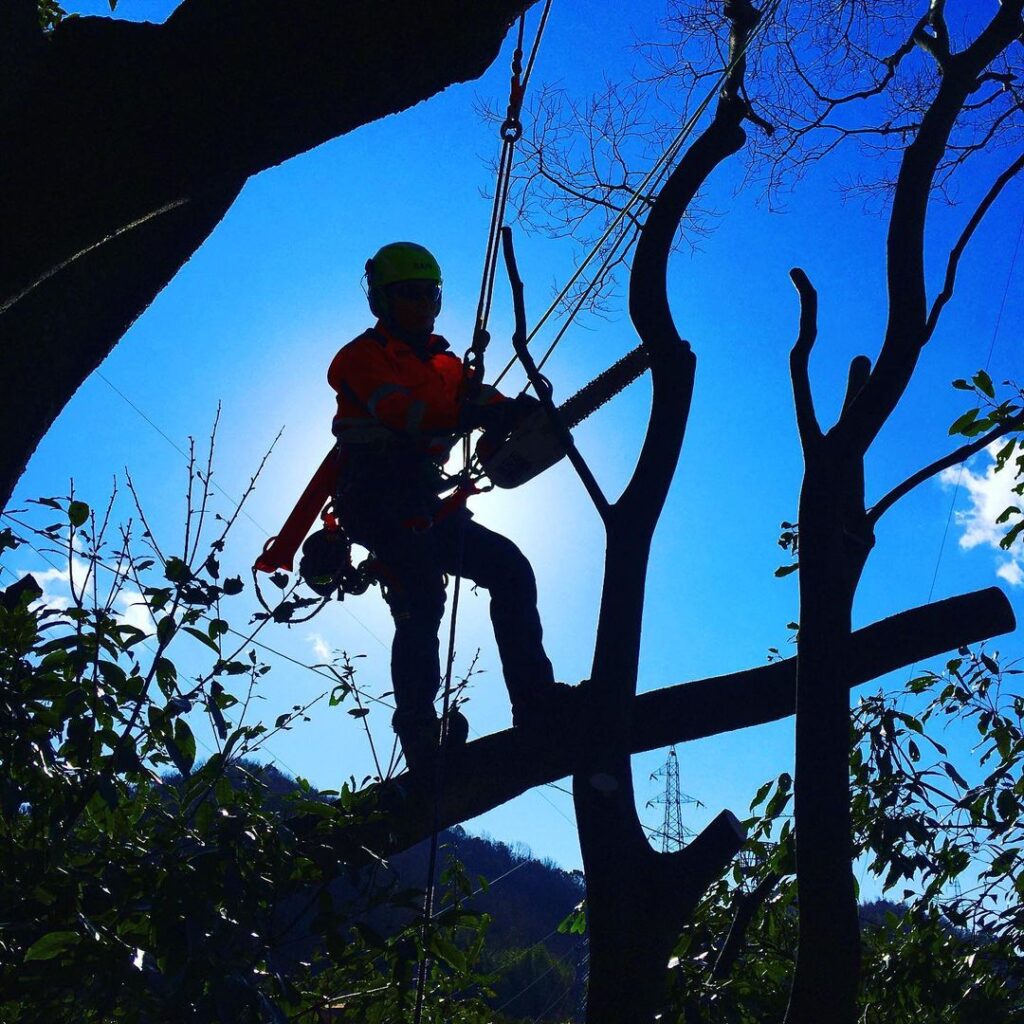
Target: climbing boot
x: 548, y: 708
x: 457, y: 731
x: 418, y: 730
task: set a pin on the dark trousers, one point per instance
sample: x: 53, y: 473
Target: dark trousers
x: 414, y: 566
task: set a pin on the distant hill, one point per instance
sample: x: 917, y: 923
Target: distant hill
x: 539, y: 969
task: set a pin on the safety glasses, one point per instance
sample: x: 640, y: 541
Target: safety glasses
x: 416, y: 291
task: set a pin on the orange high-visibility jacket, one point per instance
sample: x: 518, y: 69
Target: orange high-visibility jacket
x: 388, y: 391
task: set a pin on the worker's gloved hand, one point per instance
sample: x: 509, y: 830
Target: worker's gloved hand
x: 525, y: 405
x: 500, y: 417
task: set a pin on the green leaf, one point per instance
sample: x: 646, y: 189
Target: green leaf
x: 961, y: 385
x: 186, y: 741
x: 1009, y: 808
x: 983, y: 382
x: 962, y: 423
x: 51, y: 944
x: 762, y: 793
x: 1012, y: 534
x: 202, y: 638
x: 176, y: 570
x: 8, y: 540
x: 359, y: 712
x: 232, y: 585
x: 444, y: 948
x: 785, y: 570
x: 165, y: 629
x: 78, y: 513
x: 576, y: 922
x: 1004, y: 453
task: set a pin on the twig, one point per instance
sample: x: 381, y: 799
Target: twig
x: 540, y: 385
x: 954, y: 257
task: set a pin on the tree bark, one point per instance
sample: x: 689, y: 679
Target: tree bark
x: 638, y: 900
x: 106, y: 123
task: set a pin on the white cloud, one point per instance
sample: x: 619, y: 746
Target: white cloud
x: 56, y: 583
x: 990, y: 493
x: 320, y: 648
x: 131, y: 609
x: 134, y: 611
x: 1012, y: 572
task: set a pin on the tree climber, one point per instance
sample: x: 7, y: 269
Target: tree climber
x: 403, y: 400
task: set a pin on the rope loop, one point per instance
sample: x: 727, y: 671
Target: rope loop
x: 512, y: 129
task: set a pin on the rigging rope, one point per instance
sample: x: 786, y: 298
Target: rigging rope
x: 650, y: 182
x: 510, y: 132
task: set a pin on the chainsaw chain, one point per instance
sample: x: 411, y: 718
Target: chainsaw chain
x: 604, y: 387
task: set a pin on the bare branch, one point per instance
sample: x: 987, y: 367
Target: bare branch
x: 540, y: 385
x: 856, y: 378
x: 952, y: 459
x: 747, y: 905
x: 907, y: 318
x: 936, y: 42
x: 958, y: 250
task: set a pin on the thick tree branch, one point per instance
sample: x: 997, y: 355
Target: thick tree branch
x: 952, y: 459
x: 499, y: 767
x: 907, y: 320
x: 958, y: 250
x: 856, y: 378
x: 799, y: 359
x: 936, y: 42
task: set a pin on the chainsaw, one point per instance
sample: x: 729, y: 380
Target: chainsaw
x: 534, y: 444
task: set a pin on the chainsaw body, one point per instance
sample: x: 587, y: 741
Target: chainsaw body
x: 536, y: 444
x: 532, y: 447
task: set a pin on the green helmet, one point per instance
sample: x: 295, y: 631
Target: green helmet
x: 398, y: 261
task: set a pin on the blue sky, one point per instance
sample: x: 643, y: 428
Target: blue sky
x: 254, y: 318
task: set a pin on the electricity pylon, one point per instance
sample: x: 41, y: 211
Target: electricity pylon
x: 674, y: 834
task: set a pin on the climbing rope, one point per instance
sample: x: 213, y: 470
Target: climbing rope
x: 510, y: 132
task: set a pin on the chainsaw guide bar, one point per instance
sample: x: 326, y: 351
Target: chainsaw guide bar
x: 534, y: 445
